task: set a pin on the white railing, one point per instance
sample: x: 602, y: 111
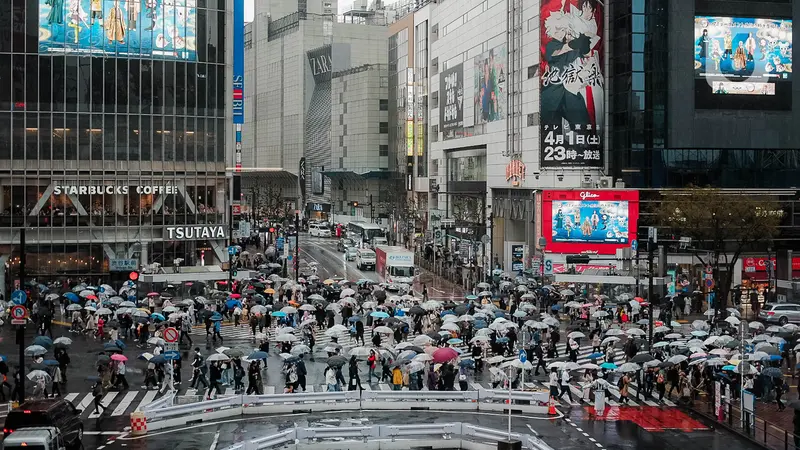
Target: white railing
x: 371, y: 434
x: 163, y: 402
x: 164, y: 414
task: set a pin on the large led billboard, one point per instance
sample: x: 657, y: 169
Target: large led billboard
x: 119, y: 28
x: 742, y: 56
x: 596, y: 222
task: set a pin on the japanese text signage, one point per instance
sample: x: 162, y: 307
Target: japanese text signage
x: 572, y: 84
x: 238, y: 62
x: 451, y: 98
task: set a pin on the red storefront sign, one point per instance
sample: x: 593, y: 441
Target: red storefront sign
x: 751, y: 264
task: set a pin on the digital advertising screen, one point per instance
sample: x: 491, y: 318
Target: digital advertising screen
x: 119, y: 28
x: 596, y: 222
x: 742, y: 56
x: 490, y: 95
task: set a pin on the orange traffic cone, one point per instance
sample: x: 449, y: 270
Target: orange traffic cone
x: 551, y: 409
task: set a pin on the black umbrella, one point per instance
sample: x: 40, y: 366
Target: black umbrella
x: 103, y: 359
x: 665, y: 365
x: 733, y: 344
x: 795, y: 404
x: 111, y: 347
x: 337, y: 361
x: 461, y: 309
x: 414, y: 348
x: 379, y: 295
x: 642, y: 358
x: 416, y: 310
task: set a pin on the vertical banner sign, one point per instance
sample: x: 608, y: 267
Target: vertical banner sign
x: 238, y: 77
x: 451, y: 99
x: 301, y: 177
x: 572, y: 84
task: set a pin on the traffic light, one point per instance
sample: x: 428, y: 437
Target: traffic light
x: 133, y: 276
x: 234, y: 272
x: 271, y: 229
x: 355, y: 204
x: 578, y: 259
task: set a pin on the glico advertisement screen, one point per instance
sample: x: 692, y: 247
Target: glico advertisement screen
x: 597, y: 222
x: 742, y: 56
x: 119, y: 28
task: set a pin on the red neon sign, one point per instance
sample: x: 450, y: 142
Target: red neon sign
x: 589, y: 221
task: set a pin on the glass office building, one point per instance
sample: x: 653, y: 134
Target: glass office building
x: 112, y: 135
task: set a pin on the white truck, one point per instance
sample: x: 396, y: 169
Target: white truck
x: 395, y: 264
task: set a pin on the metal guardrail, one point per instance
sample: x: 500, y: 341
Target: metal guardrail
x: 164, y: 414
x: 163, y: 402
x: 389, y: 433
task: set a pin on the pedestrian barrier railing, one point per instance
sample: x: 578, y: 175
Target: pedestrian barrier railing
x: 164, y: 414
x: 438, y: 435
x: 163, y: 402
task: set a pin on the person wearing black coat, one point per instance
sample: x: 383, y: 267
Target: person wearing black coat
x: 376, y: 340
x: 355, y: 380
x: 301, y: 373
x: 360, y: 332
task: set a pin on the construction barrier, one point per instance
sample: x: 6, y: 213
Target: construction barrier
x: 138, y: 423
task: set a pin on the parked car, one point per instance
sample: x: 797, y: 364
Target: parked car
x: 365, y: 259
x: 39, y: 438
x: 59, y: 414
x: 344, y: 244
x: 350, y: 254
x: 780, y: 313
x: 319, y: 230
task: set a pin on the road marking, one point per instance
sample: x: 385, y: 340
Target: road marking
x: 123, y: 405
x: 71, y: 397
x: 105, y: 402
x: 269, y: 390
x: 586, y: 434
x: 214, y: 442
x: 85, y: 402
x: 592, y: 439
x: 149, y: 396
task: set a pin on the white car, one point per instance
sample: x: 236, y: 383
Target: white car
x: 319, y: 231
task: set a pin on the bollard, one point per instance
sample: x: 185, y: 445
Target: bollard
x: 551, y: 407
x: 509, y: 445
x: 138, y: 424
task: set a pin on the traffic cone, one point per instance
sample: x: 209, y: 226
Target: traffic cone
x: 551, y: 409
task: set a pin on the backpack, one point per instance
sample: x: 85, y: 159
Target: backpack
x: 621, y: 382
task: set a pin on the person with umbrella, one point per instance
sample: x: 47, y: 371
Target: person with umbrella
x: 253, y: 378
x: 359, y: 332
x: 97, y: 393
x: 217, y: 328
x: 300, y: 367
x: 56, y: 380
x: 331, y: 380
x: 198, y: 369
x: 355, y: 380
x: 238, y: 374
x: 372, y: 362
x: 121, y: 371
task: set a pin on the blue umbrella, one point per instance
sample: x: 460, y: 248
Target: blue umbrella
x: 479, y: 324
x: 471, y: 297
x: 729, y: 367
x: 257, y: 355
x: 157, y: 316
x: 455, y: 341
x: 158, y: 359
x: 233, y: 303
x: 120, y: 344
x: 73, y: 297
x: 111, y: 347
x: 608, y: 366
x: 555, y: 307
x: 448, y: 312
x: 50, y: 362
x: 499, y: 313
x: 44, y: 341
x: 502, y: 340
x: 354, y: 319
x: 3, y: 358
x: 775, y: 357
x: 467, y: 363
x: 379, y: 315
x: 278, y: 314
x: 216, y: 317
x: 596, y: 355
x: 43, y: 288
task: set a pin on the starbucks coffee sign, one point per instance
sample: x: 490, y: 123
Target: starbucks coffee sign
x: 112, y: 189
x: 194, y: 232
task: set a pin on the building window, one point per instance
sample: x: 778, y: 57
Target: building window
x: 341, y: 97
x: 384, y: 104
x: 344, y: 130
x: 533, y: 120
x: 383, y: 150
x: 435, y: 99
x: 435, y: 66
x: 533, y: 71
x: 383, y: 128
x: 341, y: 141
x: 344, y: 151
x: 435, y: 133
x: 344, y: 108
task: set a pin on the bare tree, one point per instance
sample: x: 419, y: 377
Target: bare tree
x: 269, y: 201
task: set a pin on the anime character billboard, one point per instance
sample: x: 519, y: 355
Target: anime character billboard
x: 120, y: 28
x: 739, y: 55
x: 572, y: 83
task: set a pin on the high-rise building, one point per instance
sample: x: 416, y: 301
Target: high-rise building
x: 113, y: 133
x: 316, y: 101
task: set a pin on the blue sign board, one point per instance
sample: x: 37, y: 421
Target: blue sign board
x: 279, y: 244
x: 523, y: 356
x: 634, y: 244
x: 238, y: 63
x: 231, y: 250
x: 19, y: 297
x: 172, y: 355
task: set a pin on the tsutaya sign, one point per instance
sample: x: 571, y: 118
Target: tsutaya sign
x: 192, y: 232
x: 111, y: 189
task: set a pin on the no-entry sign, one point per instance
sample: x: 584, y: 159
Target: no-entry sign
x: 171, y: 335
x: 19, y: 315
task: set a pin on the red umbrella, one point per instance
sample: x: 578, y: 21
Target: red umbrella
x: 235, y: 296
x: 444, y: 354
x: 153, y: 294
x: 91, y: 297
x: 119, y: 357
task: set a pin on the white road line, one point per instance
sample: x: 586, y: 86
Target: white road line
x: 123, y: 405
x: 149, y: 396
x: 86, y: 401
x: 384, y: 387
x: 72, y: 396
x: 214, y: 443
x: 105, y: 402
x: 269, y: 390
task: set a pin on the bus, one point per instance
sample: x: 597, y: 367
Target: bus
x: 363, y: 232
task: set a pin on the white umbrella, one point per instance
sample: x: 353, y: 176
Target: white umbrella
x: 218, y: 357
x: 756, y: 325
x: 516, y: 363
x: 307, y: 307
x: 422, y: 340
x: 169, y: 309
x: 576, y: 335
x: 451, y: 326
x: 599, y: 314
x: 383, y: 330
x: 661, y: 329
x: 590, y: 366
x: 733, y: 320
x: 422, y: 357
x: 628, y: 367
x: 347, y: 293
x: 90, y: 308
x: 674, y: 336
x: 286, y: 338
x: 360, y: 352
x: 677, y: 359
x: 63, y: 340
x: 103, y: 312
x: 289, y: 309
x: 635, y: 332
x: 609, y: 339
x: 285, y: 330
x: 552, y: 321
x: 300, y: 349
x: 74, y: 307
x: 614, y: 332
x: 567, y: 292
x: 480, y: 339
x: 336, y: 330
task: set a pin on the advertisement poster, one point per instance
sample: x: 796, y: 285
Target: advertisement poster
x: 123, y: 28
x: 490, y: 85
x: 238, y: 62
x: 572, y: 84
x: 742, y: 56
x: 596, y: 222
x: 517, y: 258
x: 451, y: 98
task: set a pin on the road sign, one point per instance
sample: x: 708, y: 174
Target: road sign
x: 19, y: 297
x: 172, y: 355
x: 548, y: 266
x: 523, y: 356
x: 652, y: 234
x: 709, y: 269
x: 18, y: 315
x: 536, y: 265
x: 289, y: 257
x: 438, y: 236
x: 634, y: 244
x: 447, y: 223
x: 232, y: 250
x: 709, y: 283
x: 171, y: 334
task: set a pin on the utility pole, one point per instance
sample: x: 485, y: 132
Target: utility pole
x: 491, y: 238
x: 652, y: 240
x: 371, y: 210
x: 297, y: 245
x: 21, y: 328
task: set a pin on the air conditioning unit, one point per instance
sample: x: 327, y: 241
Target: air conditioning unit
x: 587, y: 184
x: 606, y: 182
